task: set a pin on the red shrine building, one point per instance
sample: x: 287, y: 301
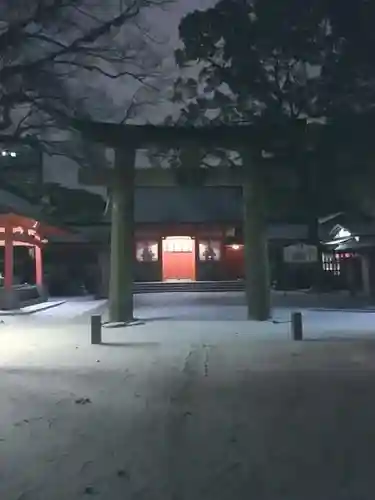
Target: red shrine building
x: 184, y: 231
x: 194, y: 234
x: 184, y: 234
x: 20, y: 231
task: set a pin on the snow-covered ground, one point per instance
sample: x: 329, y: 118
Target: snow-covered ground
x: 55, y: 311
x: 71, y: 308
x: 186, y: 409
x: 226, y: 311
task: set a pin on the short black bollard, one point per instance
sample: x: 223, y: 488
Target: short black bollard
x: 297, y: 327
x: 96, y: 329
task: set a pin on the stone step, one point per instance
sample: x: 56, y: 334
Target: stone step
x: 188, y: 286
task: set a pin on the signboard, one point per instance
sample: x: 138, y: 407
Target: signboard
x: 300, y: 254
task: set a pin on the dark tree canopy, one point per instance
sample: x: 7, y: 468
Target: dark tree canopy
x: 296, y: 58
x: 301, y: 72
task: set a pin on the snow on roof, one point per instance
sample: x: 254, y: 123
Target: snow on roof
x: 10, y: 202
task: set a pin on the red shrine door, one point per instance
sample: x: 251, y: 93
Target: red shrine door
x: 179, y: 258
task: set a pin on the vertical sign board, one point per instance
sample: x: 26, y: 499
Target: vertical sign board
x: 300, y: 253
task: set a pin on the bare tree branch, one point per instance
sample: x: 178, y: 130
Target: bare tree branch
x: 93, y: 68
x: 90, y: 37
x: 48, y: 46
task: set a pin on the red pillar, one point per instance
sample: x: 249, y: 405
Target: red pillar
x: 38, y: 266
x: 8, y: 258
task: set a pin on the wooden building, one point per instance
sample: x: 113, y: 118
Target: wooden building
x: 192, y: 234
x: 24, y: 234
x: 350, y: 241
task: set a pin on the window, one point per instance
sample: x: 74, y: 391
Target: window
x: 331, y: 263
x: 209, y: 250
x: 147, y: 251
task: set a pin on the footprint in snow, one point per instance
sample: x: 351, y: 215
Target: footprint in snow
x: 82, y: 401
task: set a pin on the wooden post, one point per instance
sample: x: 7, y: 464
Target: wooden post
x: 297, y: 327
x: 96, y: 330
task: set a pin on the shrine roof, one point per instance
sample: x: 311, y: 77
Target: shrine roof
x: 18, y: 211
x: 13, y: 203
x: 187, y: 205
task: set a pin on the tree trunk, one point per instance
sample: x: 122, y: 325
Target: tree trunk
x: 122, y: 238
x: 256, y: 243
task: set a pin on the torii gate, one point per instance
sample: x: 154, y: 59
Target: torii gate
x: 125, y: 140
x: 18, y: 230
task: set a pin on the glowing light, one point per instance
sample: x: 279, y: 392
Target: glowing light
x: 236, y: 247
x: 343, y: 233
x: 13, y: 154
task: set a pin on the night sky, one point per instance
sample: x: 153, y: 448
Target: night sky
x: 168, y: 21
x: 164, y: 23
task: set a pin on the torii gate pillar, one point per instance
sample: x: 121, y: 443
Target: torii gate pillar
x: 122, y: 237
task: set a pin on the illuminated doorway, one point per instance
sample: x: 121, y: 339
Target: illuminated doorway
x: 179, y: 258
